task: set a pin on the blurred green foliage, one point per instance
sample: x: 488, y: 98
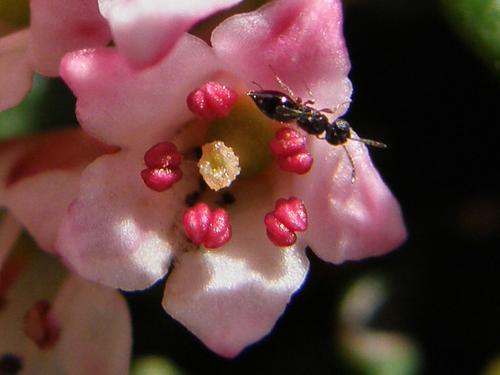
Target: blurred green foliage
x: 366, y: 350
x: 154, y: 365
x: 478, y: 22
x: 48, y: 106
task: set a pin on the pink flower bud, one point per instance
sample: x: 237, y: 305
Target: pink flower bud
x: 40, y: 326
x: 289, y: 216
x: 289, y: 146
x: 162, y: 162
x: 205, y: 227
x: 212, y: 100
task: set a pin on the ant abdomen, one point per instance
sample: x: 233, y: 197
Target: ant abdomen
x: 276, y: 105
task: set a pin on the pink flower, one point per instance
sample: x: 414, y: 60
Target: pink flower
x: 52, y: 322
x: 57, y: 26
x: 144, y: 29
x: 120, y: 233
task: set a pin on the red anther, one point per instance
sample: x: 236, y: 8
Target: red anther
x: 292, y: 213
x: 219, y: 231
x: 288, y: 141
x: 162, y: 162
x: 289, y: 146
x: 40, y: 326
x: 277, y: 232
x: 205, y: 227
x: 212, y: 100
x: 299, y: 163
x: 289, y: 216
x: 163, y: 155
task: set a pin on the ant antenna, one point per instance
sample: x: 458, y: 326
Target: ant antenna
x: 370, y: 142
x: 284, y: 86
x: 353, y: 168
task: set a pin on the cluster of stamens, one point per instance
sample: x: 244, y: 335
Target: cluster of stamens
x: 289, y: 147
x: 219, y: 166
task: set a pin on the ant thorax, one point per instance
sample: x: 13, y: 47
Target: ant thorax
x: 312, y: 121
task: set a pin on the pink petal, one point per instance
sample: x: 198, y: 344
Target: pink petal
x: 60, y: 26
x: 16, y: 72
x: 348, y: 221
x: 116, y: 103
x: 41, y: 177
x: 301, y: 40
x: 119, y: 232
x: 96, y: 335
x: 232, y: 296
x: 95, y: 324
x: 40, y: 202
x: 146, y: 30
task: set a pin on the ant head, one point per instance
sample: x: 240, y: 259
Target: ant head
x: 342, y: 126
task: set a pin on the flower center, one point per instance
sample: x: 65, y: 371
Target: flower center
x: 248, y: 133
x: 218, y: 165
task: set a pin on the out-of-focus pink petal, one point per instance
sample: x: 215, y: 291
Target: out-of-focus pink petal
x: 94, y: 321
x: 16, y: 73
x: 123, y: 107
x: 60, y: 26
x: 40, y: 180
x: 40, y: 203
x: 96, y: 335
x: 119, y: 232
x: 38, y: 279
x: 146, y: 30
x: 347, y: 221
x: 302, y: 41
x: 232, y: 296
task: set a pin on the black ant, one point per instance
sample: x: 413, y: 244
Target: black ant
x: 288, y: 108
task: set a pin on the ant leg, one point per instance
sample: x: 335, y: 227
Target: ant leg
x: 333, y: 111
x: 284, y: 86
x: 353, y: 173
x: 309, y: 92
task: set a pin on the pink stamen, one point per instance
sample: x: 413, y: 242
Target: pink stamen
x: 162, y: 162
x: 40, y: 326
x: 289, y: 216
x: 205, y: 227
x: 212, y: 100
x: 289, y: 146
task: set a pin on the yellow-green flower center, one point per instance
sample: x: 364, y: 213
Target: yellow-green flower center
x: 248, y: 133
